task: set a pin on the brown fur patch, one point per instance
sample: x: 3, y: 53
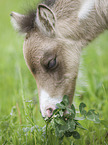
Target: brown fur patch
x: 28, y: 21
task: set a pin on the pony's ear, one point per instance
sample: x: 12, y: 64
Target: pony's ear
x: 22, y: 23
x: 86, y: 7
x: 45, y: 20
x: 17, y: 20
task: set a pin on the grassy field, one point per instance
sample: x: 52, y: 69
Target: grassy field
x: 20, y: 120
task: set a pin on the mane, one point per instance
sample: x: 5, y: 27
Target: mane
x: 50, y: 2
x: 28, y: 21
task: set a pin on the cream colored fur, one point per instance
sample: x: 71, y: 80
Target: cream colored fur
x: 78, y: 22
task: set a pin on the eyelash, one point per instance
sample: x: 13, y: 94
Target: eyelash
x: 52, y: 64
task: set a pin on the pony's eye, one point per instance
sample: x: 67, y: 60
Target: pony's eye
x: 52, y: 63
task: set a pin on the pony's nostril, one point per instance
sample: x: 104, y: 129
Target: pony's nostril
x: 49, y: 112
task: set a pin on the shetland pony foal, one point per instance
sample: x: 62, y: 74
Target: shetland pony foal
x: 56, y: 31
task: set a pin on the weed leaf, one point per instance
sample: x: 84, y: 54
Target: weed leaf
x: 66, y: 100
x: 73, y: 108
x: 92, y: 116
x: 76, y: 135
x: 68, y: 134
x: 61, y: 106
x: 71, y: 125
x: 60, y: 121
x: 79, y: 118
x: 70, y: 111
x: 81, y: 108
x: 80, y: 126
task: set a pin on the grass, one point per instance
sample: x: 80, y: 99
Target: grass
x: 20, y: 120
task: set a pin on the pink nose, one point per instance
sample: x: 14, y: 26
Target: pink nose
x: 49, y: 112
